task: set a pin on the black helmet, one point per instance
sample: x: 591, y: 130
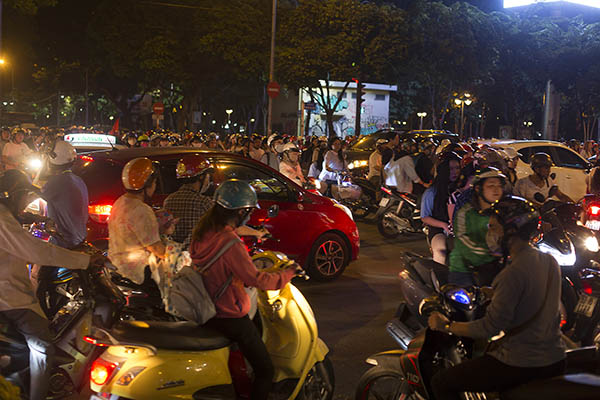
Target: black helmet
x: 13, y: 182
x: 514, y: 213
x: 538, y: 160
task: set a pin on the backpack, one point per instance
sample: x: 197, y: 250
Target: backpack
x: 188, y: 297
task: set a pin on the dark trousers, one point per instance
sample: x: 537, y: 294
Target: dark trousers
x: 487, y: 374
x: 36, y: 331
x: 244, y: 332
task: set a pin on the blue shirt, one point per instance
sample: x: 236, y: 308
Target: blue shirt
x: 427, y: 203
x: 67, y: 198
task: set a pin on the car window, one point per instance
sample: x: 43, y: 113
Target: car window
x: 102, y: 178
x: 526, y: 152
x: 568, y: 158
x: 267, y: 185
x: 168, y: 182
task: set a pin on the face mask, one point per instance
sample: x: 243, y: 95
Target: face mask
x: 493, y: 239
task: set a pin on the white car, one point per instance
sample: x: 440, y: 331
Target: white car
x: 570, y: 168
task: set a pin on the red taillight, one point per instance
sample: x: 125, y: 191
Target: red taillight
x: 595, y: 210
x: 101, y: 371
x: 100, y: 212
x: 587, y: 288
x: 386, y: 190
x: 94, y: 341
x: 86, y: 158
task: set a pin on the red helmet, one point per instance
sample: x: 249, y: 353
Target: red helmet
x: 193, y: 165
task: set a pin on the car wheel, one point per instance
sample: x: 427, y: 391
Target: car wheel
x: 329, y: 257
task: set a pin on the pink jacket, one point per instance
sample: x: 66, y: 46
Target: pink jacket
x: 234, y: 303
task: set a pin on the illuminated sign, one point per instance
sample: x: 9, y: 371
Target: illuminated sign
x: 90, y: 139
x: 519, y: 3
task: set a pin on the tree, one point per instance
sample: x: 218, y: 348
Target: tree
x: 321, y: 41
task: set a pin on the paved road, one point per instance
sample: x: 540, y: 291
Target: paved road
x: 352, y: 311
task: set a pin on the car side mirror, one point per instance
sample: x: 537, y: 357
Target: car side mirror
x: 539, y: 197
x: 273, y: 211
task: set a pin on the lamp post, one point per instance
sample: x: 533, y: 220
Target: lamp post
x: 228, y: 111
x: 461, y: 102
x: 421, y: 115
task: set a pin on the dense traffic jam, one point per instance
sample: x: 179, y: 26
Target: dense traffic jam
x: 159, y: 265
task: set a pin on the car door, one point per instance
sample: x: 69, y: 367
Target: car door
x: 287, y: 226
x: 572, y: 172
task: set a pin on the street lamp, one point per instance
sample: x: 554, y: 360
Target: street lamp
x: 421, y: 115
x: 461, y: 102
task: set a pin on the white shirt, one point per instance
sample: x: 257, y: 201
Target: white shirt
x: 525, y: 188
x: 132, y: 227
x: 15, y: 154
x: 332, y: 161
x: 256, y: 154
x: 293, y: 172
x: 17, y: 248
x: 375, y: 161
x: 401, y: 174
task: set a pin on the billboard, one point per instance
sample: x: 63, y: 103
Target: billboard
x: 519, y: 3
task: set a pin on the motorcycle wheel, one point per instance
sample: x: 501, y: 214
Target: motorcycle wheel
x: 362, y: 207
x: 385, y: 226
x: 315, y: 385
x: 380, y: 383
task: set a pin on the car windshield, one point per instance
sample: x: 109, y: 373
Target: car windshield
x: 368, y: 142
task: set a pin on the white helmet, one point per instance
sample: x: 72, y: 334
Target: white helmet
x: 271, y: 138
x: 63, y: 153
x: 289, y: 147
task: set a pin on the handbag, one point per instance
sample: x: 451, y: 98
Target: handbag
x: 188, y: 297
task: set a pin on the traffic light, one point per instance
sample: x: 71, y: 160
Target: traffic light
x: 360, y: 94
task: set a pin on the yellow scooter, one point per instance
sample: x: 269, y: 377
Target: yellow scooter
x: 179, y: 360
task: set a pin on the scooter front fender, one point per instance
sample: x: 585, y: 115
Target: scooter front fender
x: 387, y: 359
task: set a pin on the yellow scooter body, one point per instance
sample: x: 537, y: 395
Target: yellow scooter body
x: 289, y: 331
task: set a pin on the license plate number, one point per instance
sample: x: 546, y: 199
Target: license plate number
x: 586, y: 305
x: 593, y: 224
x: 384, y: 202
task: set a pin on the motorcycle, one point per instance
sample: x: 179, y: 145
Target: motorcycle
x: 407, y: 373
x: 398, y: 213
x: 165, y: 360
x: 95, y: 299
x: 591, y: 203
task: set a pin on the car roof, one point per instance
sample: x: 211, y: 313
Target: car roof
x: 522, y: 143
x: 124, y: 155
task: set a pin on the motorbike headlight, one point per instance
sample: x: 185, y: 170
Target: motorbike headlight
x: 564, y: 260
x: 591, y: 243
x: 34, y: 163
x: 344, y: 209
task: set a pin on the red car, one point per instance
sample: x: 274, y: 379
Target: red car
x: 314, y: 230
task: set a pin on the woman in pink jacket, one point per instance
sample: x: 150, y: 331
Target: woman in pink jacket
x: 235, y: 200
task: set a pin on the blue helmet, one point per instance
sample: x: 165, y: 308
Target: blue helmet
x: 235, y: 194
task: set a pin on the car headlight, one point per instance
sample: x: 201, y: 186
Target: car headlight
x: 591, y: 243
x: 344, y: 209
x: 564, y: 260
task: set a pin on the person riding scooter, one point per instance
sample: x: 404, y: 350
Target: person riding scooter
x: 18, y: 303
x: 539, y: 182
x: 290, y: 163
x: 524, y: 306
x: 235, y: 201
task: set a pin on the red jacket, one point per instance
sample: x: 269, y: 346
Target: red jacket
x: 234, y: 303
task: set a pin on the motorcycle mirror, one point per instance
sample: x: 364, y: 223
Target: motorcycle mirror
x: 435, y: 282
x: 539, y: 197
x: 273, y: 211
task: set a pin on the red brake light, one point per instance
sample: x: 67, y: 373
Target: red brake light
x: 102, y: 371
x: 386, y: 190
x: 86, y: 158
x: 595, y: 210
x: 587, y: 288
x: 100, y: 212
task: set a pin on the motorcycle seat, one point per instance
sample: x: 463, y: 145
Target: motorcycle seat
x: 575, y: 386
x: 181, y: 335
x: 423, y: 266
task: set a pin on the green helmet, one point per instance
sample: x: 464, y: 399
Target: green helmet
x: 235, y: 194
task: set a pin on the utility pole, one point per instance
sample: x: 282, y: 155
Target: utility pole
x: 86, y: 99
x: 272, y: 67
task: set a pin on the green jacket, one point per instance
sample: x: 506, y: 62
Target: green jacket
x: 470, y: 248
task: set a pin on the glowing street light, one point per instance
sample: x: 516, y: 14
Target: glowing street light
x: 465, y: 99
x: 421, y: 115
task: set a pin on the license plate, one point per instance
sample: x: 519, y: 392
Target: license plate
x: 593, y: 224
x: 384, y: 202
x: 586, y: 305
